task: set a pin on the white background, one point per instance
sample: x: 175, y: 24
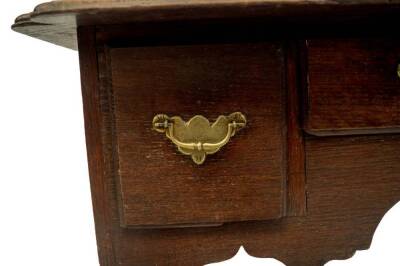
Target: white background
x: 45, y: 207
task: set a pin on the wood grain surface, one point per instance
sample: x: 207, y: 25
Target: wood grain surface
x: 57, y: 21
x: 296, y: 201
x: 346, y: 200
x: 99, y: 156
x: 353, y: 86
x: 246, y: 179
x: 306, y: 182
x: 351, y: 181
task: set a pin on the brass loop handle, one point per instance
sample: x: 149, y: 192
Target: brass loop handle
x: 197, y: 137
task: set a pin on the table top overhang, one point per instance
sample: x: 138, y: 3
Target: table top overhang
x: 57, y: 21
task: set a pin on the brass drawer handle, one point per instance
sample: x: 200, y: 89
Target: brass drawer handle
x: 197, y: 137
x: 398, y: 70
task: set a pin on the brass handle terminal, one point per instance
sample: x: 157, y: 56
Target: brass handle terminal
x: 398, y: 70
x: 198, y: 137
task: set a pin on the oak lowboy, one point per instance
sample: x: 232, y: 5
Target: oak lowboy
x: 211, y: 125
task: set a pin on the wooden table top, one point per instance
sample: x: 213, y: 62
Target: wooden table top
x: 57, y: 21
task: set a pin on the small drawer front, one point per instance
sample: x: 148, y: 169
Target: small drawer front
x: 244, y: 180
x: 354, y: 86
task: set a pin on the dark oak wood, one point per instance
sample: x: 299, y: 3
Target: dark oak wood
x: 346, y: 200
x: 304, y: 183
x: 353, y: 86
x: 245, y: 180
x: 296, y: 176
x: 98, y: 157
x: 57, y: 21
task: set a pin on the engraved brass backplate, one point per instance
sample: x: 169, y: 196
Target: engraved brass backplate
x: 198, y: 137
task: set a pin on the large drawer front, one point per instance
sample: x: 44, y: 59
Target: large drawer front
x: 354, y: 86
x: 245, y: 180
